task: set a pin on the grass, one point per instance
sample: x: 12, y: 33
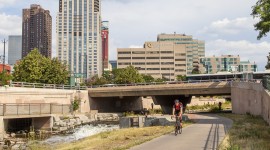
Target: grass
x: 115, y: 140
x: 247, y: 133
x: 210, y: 108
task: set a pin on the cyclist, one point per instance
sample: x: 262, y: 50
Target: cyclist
x: 178, y: 110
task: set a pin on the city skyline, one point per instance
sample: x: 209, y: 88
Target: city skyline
x: 227, y: 31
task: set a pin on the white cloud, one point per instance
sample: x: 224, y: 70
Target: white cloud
x: 10, y: 25
x: 229, y: 27
x: 254, y: 52
x: 6, y: 2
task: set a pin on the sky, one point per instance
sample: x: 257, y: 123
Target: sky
x: 226, y: 26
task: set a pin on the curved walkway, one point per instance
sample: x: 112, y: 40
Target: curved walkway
x: 206, y: 134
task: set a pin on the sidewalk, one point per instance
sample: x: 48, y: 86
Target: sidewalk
x: 206, y: 134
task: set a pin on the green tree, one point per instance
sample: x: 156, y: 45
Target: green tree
x: 127, y: 75
x: 195, y: 71
x: 261, y: 11
x: 31, y: 68
x: 147, y: 78
x: 56, y: 72
x: 159, y: 80
x: 181, y: 78
x: 35, y: 68
x: 5, y: 77
x: 95, y: 80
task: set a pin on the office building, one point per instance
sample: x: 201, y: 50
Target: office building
x: 105, y: 44
x: 79, y: 36
x: 170, y: 56
x: 113, y: 64
x: 14, y: 49
x: 246, y: 66
x: 37, y: 30
x: 225, y: 63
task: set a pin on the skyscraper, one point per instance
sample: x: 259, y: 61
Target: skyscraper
x: 105, y: 44
x: 37, y: 30
x: 79, y: 36
x: 14, y: 49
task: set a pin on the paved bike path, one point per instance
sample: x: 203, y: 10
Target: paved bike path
x: 206, y: 134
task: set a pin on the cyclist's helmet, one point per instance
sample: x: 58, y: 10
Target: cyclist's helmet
x: 176, y: 101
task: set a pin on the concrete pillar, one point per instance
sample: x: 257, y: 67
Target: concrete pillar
x: 2, y: 128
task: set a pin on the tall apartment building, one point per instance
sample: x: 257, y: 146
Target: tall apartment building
x: 105, y: 44
x: 14, y: 49
x: 171, y: 55
x: 79, y: 36
x: 37, y: 30
x: 227, y: 63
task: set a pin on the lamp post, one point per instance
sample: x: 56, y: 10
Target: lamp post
x: 4, y: 56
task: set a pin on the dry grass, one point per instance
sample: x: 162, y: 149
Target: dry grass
x: 117, y: 140
x: 247, y: 133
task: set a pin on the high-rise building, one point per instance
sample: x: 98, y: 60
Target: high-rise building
x: 14, y: 49
x: 79, y: 36
x: 194, y: 48
x: 246, y: 66
x: 105, y: 44
x: 225, y: 63
x: 170, y: 56
x: 37, y: 30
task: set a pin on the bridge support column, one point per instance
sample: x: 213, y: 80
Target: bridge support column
x: 166, y: 102
x: 2, y: 129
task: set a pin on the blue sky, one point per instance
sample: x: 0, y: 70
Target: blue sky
x: 225, y: 25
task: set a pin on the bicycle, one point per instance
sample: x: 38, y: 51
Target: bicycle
x: 178, y: 126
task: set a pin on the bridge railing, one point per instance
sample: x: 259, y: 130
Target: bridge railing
x: 162, y: 83
x: 34, y: 109
x: 46, y: 86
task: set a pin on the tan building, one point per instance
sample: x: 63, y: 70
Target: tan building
x: 171, y: 55
x: 37, y: 30
x: 246, y: 66
x: 224, y: 63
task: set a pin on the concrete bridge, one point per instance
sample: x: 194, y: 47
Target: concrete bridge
x: 125, y: 98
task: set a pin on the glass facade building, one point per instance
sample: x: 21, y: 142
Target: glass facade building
x: 79, y: 36
x: 14, y: 49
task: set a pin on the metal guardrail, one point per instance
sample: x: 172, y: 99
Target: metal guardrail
x: 162, y: 83
x: 46, y: 86
x: 33, y: 109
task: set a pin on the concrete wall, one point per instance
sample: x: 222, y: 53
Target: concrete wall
x: 250, y: 98
x: 39, y: 95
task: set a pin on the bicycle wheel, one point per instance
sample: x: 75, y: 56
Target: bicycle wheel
x: 180, y: 129
x: 176, y: 131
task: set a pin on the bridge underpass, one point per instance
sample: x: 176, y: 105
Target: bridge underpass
x: 129, y: 98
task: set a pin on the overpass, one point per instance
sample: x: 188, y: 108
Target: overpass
x: 122, y: 98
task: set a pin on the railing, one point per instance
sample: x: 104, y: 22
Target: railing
x: 46, y: 86
x: 34, y: 109
x: 162, y: 83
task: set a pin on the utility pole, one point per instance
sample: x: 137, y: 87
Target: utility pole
x: 4, y: 54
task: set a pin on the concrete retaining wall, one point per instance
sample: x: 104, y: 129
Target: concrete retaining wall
x: 250, y: 98
x: 38, y: 95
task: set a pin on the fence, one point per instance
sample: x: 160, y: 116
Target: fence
x: 33, y: 109
x: 46, y: 86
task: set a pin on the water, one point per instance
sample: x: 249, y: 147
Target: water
x: 80, y: 133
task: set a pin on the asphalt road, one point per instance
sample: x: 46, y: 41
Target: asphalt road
x: 206, y: 134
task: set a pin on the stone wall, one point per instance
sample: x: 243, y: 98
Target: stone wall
x: 250, y: 98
